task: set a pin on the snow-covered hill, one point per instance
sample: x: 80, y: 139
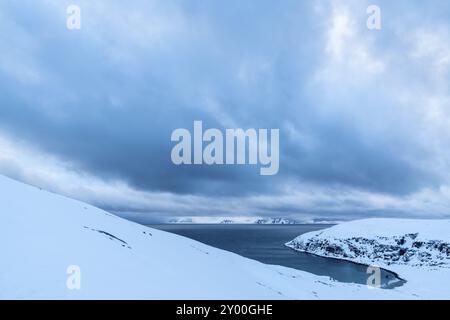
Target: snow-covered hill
x: 44, y: 235
x: 417, y: 250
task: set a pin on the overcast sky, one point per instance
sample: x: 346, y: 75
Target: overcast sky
x: 364, y: 115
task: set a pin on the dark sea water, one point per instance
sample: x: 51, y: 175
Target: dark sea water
x: 265, y: 243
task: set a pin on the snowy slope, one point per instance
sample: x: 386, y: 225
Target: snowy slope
x: 42, y: 234
x: 417, y: 250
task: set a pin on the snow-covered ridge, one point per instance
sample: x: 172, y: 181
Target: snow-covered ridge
x: 43, y: 234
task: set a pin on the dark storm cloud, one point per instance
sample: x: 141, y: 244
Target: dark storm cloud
x: 107, y: 97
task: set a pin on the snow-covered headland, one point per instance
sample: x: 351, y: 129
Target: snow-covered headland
x: 417, y: 250
x: 53, y: 247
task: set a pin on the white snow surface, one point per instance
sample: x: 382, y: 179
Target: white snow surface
x: 417, y: 250
x: 42, y: 234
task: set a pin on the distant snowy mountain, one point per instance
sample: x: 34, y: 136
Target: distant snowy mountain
x: 46, y: 240
x: 417, y: 250
x: 248, y: 220
x: 231, y: 220
x: 275, y: 221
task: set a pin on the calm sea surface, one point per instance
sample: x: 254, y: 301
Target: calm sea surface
x: 265, y: 243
